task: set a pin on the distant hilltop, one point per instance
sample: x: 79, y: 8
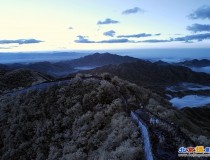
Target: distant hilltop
x: 62, y: 68
x: 195, y: 63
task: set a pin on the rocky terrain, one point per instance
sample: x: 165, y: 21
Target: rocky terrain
x: 88, y: 117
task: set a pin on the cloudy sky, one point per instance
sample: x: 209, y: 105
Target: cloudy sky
x: 35, y: 25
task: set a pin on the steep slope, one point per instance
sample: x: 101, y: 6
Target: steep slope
x: 199, y: 116
x: 84, y: 119
x: 154, y: 76
x: 88, y: 117
x: 20, y: 78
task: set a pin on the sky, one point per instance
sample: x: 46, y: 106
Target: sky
x: 51, y: 25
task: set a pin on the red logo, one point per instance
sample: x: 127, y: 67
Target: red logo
x: 190, y: 149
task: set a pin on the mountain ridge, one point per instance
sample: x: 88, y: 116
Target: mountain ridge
x: 21, y: 78
x: 152, y: 75
x: 195, y: 63
x: 62, y: 68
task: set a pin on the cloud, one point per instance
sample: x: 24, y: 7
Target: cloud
x: 131, y: 41
x: 110, y: 33
x: 201, y: 13
x: 189, y: 38
x: 186, y: 39
x: 135, y: 35
x: 20, y: 41
x: 199, y: 28
x: 116, y: 41
x: 133, y: 11
x: 107, y: 21
x: 83, y: 39
x: 9, y: 47
x: 155, y: 41
x: 177, y: 34
x: 158, y: 34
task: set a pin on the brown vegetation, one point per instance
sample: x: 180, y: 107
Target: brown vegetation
x: 85, y: 119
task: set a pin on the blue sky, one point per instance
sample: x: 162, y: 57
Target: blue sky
x: 35, y: 25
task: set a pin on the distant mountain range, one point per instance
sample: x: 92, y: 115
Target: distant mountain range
x: 87, y: 115
x: 62, y: 68
x: 195, y: 63
x: 153, y: 75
